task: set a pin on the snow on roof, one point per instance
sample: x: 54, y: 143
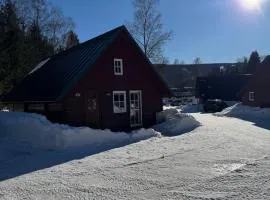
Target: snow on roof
x: 43, y: 62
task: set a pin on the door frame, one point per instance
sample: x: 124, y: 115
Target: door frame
x: 135, y: 92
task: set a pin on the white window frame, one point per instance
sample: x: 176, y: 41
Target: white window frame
x: 251, y: 96
x: 123, y: 110
x: 115, y: 67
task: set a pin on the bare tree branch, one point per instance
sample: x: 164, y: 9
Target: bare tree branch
x: 147, y: 29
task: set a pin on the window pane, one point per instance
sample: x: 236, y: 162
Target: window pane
x: 116, y: 104
x: 132, y: 119
x: 136, y: 104
x: 122, y: 104
x: 116, y: 97
x: 122, y: 97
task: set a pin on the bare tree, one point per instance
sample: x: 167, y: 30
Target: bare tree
x: 176, y: 61
x: 57, y: 27
x: 164, y: 60
x: 51, y: 20
x: 242, y: 60
x: 147, y: 29
x: 197, y: 60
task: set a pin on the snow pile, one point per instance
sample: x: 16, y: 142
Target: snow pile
x: 239, y: 110
x: 231, y: 103
x: 4, y: 110
x: 192, y: 108
x: 175, y: 123
x: 171, y: 107
x: 37, y: 132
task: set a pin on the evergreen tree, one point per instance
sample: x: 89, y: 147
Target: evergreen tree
x: 35, y: 49
x: 72, y: 40
x: 29, y: 31
x: 197, y: 61
x: 11, y: 38
x: 253, y: 62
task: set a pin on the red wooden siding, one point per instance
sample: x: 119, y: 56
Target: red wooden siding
x: 138, y: 75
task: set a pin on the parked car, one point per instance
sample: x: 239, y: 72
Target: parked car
x: 214, y: 105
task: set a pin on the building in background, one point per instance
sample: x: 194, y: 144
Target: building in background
x: 181, y: 78
x: 257, y: 92
x: 227, y: 87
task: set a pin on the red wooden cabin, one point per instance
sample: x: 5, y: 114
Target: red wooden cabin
x: 106, y: 82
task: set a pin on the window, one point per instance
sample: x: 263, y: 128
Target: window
x: 92, y: 104
x: 36, y: 107
x: 251, y: 96
x: 118, y: 67
x: 55, y: 107
x: 119, y: 102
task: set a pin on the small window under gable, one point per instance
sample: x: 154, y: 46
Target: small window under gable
x: 118, y: 67
x: 119, y: 102
x: 251, y: 96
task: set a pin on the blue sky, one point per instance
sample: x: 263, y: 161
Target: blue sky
x: 214, y: 30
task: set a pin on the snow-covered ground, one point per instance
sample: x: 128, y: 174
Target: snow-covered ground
x: 223, y: 158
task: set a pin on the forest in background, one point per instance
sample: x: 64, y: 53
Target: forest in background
x: 30, y: 31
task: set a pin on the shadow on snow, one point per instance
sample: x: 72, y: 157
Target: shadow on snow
x: 23, y: 161
x: 261, y: 122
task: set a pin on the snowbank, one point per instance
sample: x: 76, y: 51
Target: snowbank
x: 231, y: 103
x: 192, y: 108
x: 239, y: 110
x: 175, y: 123
x: 36, y: 131
x: 171, y: 107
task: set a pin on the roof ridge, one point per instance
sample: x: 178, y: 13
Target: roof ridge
x: 88, y: 41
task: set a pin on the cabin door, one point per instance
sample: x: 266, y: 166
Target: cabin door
x: 135, y: 98
x: 92, y: 109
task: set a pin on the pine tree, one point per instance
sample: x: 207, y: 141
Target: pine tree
x: 72, y: 40
x: 11, y: 38
x: 35, y: 49
x: 253, y: 62
x: 197, y: 61
x: 28, y: 37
